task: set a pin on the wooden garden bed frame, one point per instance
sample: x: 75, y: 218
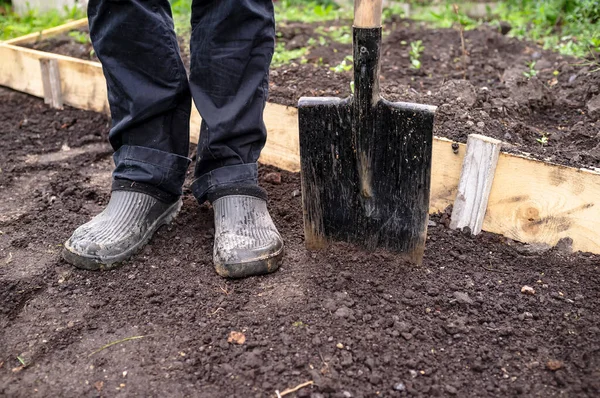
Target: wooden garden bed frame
x: 529, y: 200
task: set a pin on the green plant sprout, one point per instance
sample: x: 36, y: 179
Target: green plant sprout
x: 79, y: 37
x: 338, y: 34
x: 343, y: 66
x: 283, y: 56
x: 310, y: 11
x: 543, y: 140
x: 531, y: 72
x: 352, y: 86
x: 416, y: 49
x: 392, y: 10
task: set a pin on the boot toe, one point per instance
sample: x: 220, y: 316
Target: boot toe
x: 237, y: 255
x: 119, y: 231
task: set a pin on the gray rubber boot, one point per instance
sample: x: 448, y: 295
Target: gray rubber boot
x: 246, y: 240
x: 120, y: 231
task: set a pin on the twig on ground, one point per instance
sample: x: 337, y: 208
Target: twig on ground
x: 217, y: 310
x: 224, y: 290
x: 323, y: 360
x: 462, y: 41
x: 117, y: 342
x: 291, y: 390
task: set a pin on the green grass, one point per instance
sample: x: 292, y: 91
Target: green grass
x: 283, y: 56
x: 13, y: 25
x: 310, y: 11
x: 570, y: 27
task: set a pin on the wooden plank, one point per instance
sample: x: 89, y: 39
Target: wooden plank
x: 51, y: 83
x: 477, y: 175
x: 536, y: 202
x: 82, y: 83
x: 43, y: 34
x: 446, y: 166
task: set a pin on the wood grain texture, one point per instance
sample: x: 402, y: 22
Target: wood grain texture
x: 477, y: 175
x: 536, y: 202
x: 82, y: 83
x: 51, y: 83
x: 44, y: 34
x: 367, y: 13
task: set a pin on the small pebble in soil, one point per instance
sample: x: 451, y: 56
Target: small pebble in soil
x: 295, y: 193
x: 339, y: 345
x: 463, y: 298
x: 273, y: 178
x: 527, y: 290
x: 399, y: 387
x: 413, y: 373
x: 554, y: 364
x: 343, y: 312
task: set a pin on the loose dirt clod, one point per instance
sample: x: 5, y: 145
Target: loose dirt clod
x: 273, y: 178
x: 236, y: 338
x: 528, y: 290
x: 554, y: 364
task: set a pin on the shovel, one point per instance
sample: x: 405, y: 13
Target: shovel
x: 366, y: 162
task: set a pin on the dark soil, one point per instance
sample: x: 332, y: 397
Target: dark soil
x: 457, y: 326
x: 554, y: 116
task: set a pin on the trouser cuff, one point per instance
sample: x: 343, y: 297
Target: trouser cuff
x: 240, y: 177
x: 133, y: 186
x: 163, y: 170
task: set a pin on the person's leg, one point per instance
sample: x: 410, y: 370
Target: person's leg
x: 148, y: 91
x: 231, y: 48
x: 150, y: 105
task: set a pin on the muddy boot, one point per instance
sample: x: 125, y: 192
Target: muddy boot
x: 121, y: 230
x: 246, y: 240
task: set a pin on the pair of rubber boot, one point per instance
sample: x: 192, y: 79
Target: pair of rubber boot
x: 246, y: 240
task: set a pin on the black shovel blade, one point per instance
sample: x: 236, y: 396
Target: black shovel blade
x: 366, y: 181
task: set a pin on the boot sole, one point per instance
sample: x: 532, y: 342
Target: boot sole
x: 252, y: 268
x: 100, y: 263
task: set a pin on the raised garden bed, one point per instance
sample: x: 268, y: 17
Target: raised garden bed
x: 551, y: 116
x: 457, y: 326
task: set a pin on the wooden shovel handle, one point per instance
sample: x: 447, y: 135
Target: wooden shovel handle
x: 367, y: 13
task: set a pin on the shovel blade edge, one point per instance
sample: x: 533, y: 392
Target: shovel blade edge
x: 366, y: 177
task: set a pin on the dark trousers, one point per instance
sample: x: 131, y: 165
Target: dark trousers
x: 150, y: 93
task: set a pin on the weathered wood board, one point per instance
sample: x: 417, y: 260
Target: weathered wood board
x: 82, y: 83
x: 476, y: 177
x: 532, y: 201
